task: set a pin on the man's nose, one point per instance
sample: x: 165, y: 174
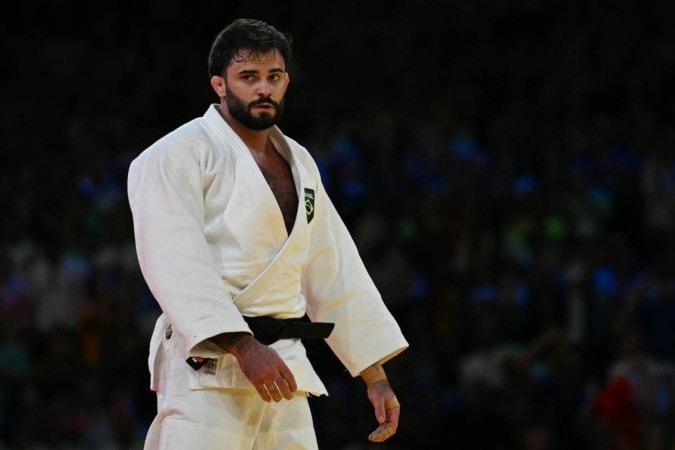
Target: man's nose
x: 264, y: 88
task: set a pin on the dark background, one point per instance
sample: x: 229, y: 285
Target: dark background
x: 506, y: 168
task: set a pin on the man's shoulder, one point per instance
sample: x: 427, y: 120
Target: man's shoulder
x: 193, y: 132
x: 183, y: 141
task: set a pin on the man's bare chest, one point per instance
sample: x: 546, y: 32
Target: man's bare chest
x: 279, y: 177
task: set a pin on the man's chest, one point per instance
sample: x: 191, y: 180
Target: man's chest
x: 279, y: 177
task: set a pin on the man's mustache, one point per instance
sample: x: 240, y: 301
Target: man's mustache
x: 266, y: 100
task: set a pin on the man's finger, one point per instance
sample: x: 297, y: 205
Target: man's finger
x: 380, y: 412
x: 273, y: 391
x: 284, y: 389
x: 288, y: 376
x: 262, y: 390
x: 383, y: 432
x: 391, y: 403
x: 393, y: 415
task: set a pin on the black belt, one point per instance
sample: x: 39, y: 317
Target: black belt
x: 267, y: 330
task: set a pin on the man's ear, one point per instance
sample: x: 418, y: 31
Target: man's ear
x: 218, y: 85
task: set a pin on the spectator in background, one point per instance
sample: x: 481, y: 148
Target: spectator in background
x: 539, y: 166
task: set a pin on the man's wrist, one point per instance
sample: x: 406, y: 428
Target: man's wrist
x: 373, y: 374
x: 233, y: 342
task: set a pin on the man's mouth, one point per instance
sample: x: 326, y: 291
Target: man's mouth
x: 264, y: 107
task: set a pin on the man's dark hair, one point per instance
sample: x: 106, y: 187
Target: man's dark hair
x: 246, y: 37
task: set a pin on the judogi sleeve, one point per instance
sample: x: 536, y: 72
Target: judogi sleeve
x: 166, y: 195
x: 339, y: 289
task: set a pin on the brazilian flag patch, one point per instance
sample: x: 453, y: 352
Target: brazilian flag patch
x: 309, y: 204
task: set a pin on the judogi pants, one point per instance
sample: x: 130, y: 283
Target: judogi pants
x: 211, y: 419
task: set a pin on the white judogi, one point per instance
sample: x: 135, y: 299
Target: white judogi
x: 212, y: 246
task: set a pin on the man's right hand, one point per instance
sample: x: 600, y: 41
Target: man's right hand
x: 262, y: 365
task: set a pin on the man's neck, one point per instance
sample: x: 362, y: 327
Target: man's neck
x: 255, y: 140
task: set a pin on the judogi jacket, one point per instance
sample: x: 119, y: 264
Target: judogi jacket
x: 212, y: 246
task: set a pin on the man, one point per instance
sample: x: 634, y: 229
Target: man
x: 227, y: 252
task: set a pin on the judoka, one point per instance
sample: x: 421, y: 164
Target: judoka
x: 238, y: 242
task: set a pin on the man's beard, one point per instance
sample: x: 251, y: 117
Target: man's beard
x: 242, y: 112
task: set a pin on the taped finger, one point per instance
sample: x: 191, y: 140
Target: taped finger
x: 391, y: 403
x: 382, y: 433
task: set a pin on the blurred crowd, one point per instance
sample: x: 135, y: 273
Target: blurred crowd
x: 507, y: 172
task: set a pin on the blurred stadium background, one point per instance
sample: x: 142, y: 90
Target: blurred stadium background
x: 507, y: 170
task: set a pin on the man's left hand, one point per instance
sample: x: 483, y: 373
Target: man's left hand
x: 387, y: 410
